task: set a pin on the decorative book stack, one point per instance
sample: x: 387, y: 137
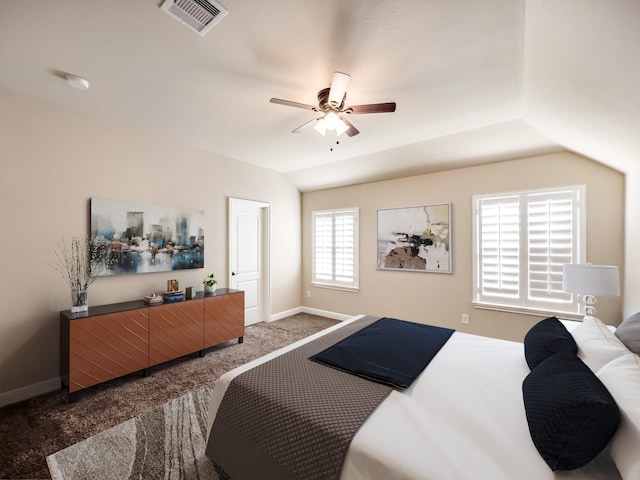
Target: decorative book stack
x: 176, y: 296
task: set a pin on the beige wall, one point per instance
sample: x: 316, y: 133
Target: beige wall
x: 53, y: 161
x: 632, y: 251
x: 441, y: 298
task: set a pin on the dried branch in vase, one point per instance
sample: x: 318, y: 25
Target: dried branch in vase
x: 74, y: 260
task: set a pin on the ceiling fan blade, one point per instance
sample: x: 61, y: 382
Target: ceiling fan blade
x: 289, y: 103
x: 307, y: 126
x: 372, y: 108
x: 338, y: 87
x: 351, y: 131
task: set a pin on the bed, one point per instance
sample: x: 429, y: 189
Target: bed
x: 464, y: 416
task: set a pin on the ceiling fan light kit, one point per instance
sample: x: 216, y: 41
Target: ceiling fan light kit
x: 331, y: 103
x: 331, y: 121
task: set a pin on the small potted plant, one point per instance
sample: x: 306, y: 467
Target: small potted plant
x: 210, y: 283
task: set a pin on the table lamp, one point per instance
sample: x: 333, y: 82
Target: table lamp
x: 590, y: 281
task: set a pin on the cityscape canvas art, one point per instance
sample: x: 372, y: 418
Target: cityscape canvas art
x: 129, y: 237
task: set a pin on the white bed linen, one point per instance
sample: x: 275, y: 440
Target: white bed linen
x: 463, y: 418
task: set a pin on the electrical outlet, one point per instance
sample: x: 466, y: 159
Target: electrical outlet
x: 465, y: 318
x: 308, y: 293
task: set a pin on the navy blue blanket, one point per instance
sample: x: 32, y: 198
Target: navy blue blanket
x: 390, y: 351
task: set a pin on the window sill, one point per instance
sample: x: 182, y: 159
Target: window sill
x: 527, y: 311
x: 336, y: 287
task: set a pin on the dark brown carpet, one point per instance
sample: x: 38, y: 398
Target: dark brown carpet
x: 38, y: 427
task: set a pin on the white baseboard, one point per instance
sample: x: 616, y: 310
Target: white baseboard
x: 46, y: 386
x: 286, y: 313
x: 33, y: 390
x: 311, y: 311
x: 325, y: 313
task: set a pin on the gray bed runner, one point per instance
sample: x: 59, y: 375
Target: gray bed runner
x: 291, y: 418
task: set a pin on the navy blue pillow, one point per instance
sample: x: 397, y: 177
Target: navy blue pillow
x: 545, y: 338
x: 571, y: 415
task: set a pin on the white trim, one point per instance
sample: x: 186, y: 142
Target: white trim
x: 353, y: 213
x: 311, y: 311
x: 286, y: 313
x: 33, y: 390
x: 325, y: 313
x: 335, y: 287
x: 266, y: 260
x: 527, y: 311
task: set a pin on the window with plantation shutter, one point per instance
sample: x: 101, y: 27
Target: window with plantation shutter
x: 335, y: 248
x: 522, y: 239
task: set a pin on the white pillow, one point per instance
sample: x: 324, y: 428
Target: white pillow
x: 622, y: 378
x: 597, y: 345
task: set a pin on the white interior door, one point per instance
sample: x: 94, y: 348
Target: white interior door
x: 249, y: 256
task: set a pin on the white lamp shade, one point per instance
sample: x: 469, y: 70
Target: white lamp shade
x: 341, y: 127
x: 331, y: 120
x: 321, y: 127
x: 587, y: 279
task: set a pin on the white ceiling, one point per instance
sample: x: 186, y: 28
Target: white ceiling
x: 474, y: 82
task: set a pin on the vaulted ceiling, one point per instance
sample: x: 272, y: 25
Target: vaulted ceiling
x: 473, y: 81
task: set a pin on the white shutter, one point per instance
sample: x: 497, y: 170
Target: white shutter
x: 522, y: 241
x: 323, y: 247
x: 499, y: 244
x: 551, y: 235
x: 335, y: 248
x: 344, y: 240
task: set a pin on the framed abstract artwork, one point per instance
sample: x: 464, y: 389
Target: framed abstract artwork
x: 415, y: 238
x: 130, y: 237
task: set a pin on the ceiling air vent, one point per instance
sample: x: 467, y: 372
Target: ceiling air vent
x: 198, y: 15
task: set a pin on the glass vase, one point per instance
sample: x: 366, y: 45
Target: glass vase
x: 79, y: 301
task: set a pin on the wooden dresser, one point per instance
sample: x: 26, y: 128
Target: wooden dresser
x: 111, y: 341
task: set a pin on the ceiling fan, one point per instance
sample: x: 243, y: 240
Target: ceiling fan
x: 331, y: 105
